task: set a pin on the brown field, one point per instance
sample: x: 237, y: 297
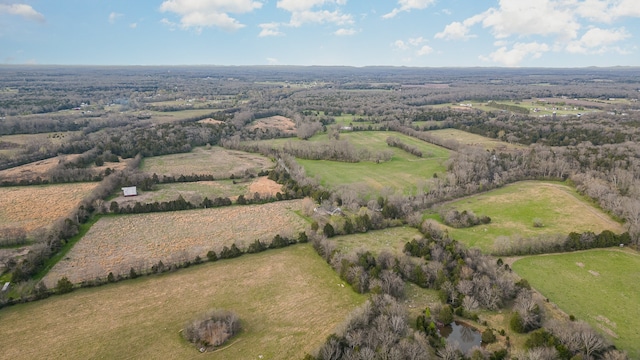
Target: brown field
x: 40, y: 168
x: 117, y: 243
x: 210, y: 121
x: 219, y: 162
x: 281, y: 123
x: 264, y: 186
x: 36, y: 206
x: 288, y: 301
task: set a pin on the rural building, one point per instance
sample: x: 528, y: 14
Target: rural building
x: 130, y: 191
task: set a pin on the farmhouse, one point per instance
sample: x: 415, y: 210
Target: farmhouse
x: 130, y: 191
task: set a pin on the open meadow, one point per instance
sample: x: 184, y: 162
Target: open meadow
x: 32, y: 207
x: 118, y: 243
x: 280, y: 123
x: 513, y: 208
x: 599, y: 286
x: 219, y: 162
x: 195, y: 192
x: 403, y: 172
x: 390, y: 239
x: 467, y: 138
x: 289, y: 300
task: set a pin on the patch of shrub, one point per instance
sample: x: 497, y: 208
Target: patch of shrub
x: 64, y: 286
x: 463, y: 219
x: 212, y: 329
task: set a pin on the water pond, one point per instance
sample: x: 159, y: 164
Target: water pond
x: 461, y: 334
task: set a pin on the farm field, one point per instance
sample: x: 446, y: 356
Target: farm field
x: 391, y: 239
x: 468, y: 138
x: 15, y: 143
x: 599, y: 286
x: 195, y: 192
x: 404, y: 172
x: 281, y: 123
x: 219, y: 162
x: 32, y: 207
x: 513, y: 208
x: 287, y: 299
x: 118, y: 243
x: 163, y: 117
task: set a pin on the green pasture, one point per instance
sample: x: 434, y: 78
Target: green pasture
x: 403, y: 172
x: 513, y: 208
x: 601, y: 287
x: 289, y: 301
x: 468, y: 138
x: 390, y: 239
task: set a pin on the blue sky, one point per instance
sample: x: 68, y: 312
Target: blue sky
x: 525, y: 33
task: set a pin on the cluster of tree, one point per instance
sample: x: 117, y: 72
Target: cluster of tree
x: 517, y: 245
x: 464, y: 219
x: 13, y: 236
x: 395, y: 142
x: 377, y: 330
x: 212, y: 329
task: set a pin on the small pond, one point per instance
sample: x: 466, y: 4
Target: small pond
x: 461, y: 334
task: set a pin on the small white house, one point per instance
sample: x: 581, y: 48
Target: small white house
x: 130, y: 191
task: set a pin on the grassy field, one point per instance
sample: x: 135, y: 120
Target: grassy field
x: 195, y: 192
x: 514, y: 207
x: 288, y: 301
x: 117, y: 243
x: 600, y: 286
x: 215, y: 160
x: 403, y: 172
x: 391, y: 239
x: 18, y: 142
x: 32, y: 207
x: 160, y: 117
x: 468, y: 138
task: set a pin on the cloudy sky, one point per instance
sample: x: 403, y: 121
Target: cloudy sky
x: 526, y: 33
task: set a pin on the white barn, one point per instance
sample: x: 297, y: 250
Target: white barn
x: 130, y: 191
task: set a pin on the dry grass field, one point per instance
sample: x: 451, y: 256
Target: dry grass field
x: 288, y: 301
x: 210, y: 121
x: 40, y: 168
x: 281, y: 123
x: 32, y: 207
x: 215, y: 160
x: 117, y: 243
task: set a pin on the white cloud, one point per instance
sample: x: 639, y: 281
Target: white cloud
x: 311, y: 12
x: 133, y: 25
x: 597, y: 40
x: 113, y: 17
x: 414, y: 45
x: 345, y: 32
x: 607, y: 10
x: 209, y: 13
x: 424, y: 50
x: 270, y: 29
x: 272, y: 61
x: 515, y: 55
x: 400, y: 45
x: 408, y: 5
x: 24, y: 10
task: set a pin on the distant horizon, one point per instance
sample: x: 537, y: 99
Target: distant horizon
x: 397, y: 33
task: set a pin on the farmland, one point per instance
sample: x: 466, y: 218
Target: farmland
x: 38, y: 206
x: 281, y: 123
x: 467, y: 138
x: 513, y: 208
x: 117, y: 243
x: 601, y: 287
x: 219, y: 162
x: 391, y: 239
x: 288, y: 301
x: 403, y: 172
x: 195, y: 192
